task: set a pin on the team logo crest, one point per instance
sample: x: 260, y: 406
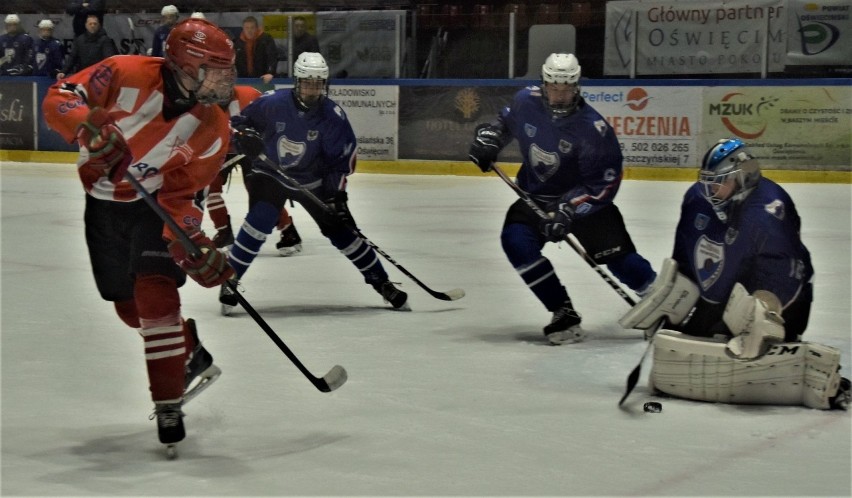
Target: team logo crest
x: 565, y: 146
x: 701, y: 221
x: 530, y: 130
x: 290, y: 152
x: 544, y: 164
x: 776, y: 209
x: 731, y: 235
x: 709, y: 260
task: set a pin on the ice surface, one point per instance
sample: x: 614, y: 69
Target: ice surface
x: 453, y: 398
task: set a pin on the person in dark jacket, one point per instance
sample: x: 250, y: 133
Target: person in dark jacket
x: 303, y: 41
x: 257, y: 56
x: 81, y: 10
x: 89, y: 48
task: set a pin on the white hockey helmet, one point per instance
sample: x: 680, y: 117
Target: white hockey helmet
x: 13, y: 19
x: 561, y: 68
x: 169, y: 10
x: 309, y: 66
x: 46, y: 24
x: 197, y: 15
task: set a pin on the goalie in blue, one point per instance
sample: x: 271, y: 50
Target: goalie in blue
x: 572, y: 168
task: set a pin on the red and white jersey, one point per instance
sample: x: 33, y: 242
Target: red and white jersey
x: 177, y: 157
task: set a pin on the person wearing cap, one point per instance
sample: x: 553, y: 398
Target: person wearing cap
x: 17, y: 47
x: 170, y: 18
x: 49, y: 53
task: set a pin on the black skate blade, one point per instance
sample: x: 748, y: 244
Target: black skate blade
x: 171, y: 451
x: 206, y: 378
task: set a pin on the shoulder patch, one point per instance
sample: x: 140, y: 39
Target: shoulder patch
x: 776, y: 209
x: 601, y: 126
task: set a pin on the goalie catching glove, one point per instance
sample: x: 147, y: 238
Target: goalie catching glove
x: 108, y: 150
x: 210, y: 269
x: 486, y: 145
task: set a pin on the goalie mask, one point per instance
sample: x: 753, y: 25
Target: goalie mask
x: 310, y: 73
x: 560, y: 76
x: 202, y: 56
x: 729, y: 173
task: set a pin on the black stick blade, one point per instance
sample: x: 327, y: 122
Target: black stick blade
x: 335, y: 378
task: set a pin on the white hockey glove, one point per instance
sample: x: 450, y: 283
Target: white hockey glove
x: 754, y: 320
x: 671, y: 296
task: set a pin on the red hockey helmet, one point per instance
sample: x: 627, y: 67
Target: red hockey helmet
x: 204, y: 53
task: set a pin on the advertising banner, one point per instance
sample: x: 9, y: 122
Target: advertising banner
x: 17, y: 115
x: 820, y: 32
x: 373, y: 111
x: 787, y: 127
x: 437, y: 122
x: 361, y: 44
x: 656, y: 125
x: 688, y: 37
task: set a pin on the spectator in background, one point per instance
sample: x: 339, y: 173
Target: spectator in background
x: 257, y: 56
x: 170, y: 18
x: 89, y: 48
x: 197, y: 15
x: 49, y: 54
x: 17, y: 49
x: 302, y: 40
x: 81, y: 10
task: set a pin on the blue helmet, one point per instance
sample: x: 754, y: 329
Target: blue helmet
x: 729, y: 172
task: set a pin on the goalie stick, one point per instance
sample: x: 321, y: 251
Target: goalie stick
x: 450, y: 295
x: 574, y: 245
x: 335, y: 378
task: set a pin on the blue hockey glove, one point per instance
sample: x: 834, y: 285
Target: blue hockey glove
x: 559, y: 221
x: 249, y: 142
x: 485, y: 147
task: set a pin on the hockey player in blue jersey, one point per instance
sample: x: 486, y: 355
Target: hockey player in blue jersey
x: 48, y: 53
x: 572, y: 168
x: 308, y: 136
x: 736, y: 295
x: 16, y: 48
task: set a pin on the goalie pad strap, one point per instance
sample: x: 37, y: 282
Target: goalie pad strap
x: 672, y: 296
x: 699, y: 368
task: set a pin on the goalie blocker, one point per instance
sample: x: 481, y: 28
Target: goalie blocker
x: 703, y: 369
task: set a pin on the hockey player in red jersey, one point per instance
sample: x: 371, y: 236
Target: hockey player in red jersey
x: 290, y: 242
x: 159, y: 120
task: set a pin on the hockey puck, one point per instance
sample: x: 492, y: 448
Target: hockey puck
x: 653, y: 407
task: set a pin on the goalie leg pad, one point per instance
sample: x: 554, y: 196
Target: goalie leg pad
x: 700, y: 368
x: 672, y: 296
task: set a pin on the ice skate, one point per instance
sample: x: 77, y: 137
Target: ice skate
x: 170, y: 428
x: 564, y: 327
x: 224, y: 236
x: 228, y: 298
x: 290, y: 242
x: 200, y: 366
x: 397, y: 298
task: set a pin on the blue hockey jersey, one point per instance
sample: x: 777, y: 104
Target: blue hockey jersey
x: 48, y: 57
x: 759, y: 247
x: 574, y: 159
x: 17, y: 51
x: 315, y: 147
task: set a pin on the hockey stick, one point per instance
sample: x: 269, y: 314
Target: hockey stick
x: 450, y: 295
x: 633, y: 378
x: 331, y: 381
x: 574, y: 245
